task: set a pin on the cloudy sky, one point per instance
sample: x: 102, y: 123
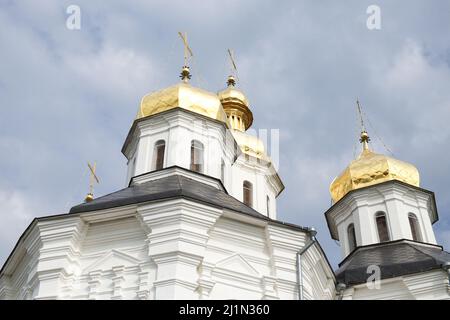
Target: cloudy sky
x: 70, y: 96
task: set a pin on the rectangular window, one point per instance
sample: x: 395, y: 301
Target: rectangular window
x: 248, y: 193
x: 382, y: 227
x: 160, y: 156
x: 197, y: 156
x: 222, y: 171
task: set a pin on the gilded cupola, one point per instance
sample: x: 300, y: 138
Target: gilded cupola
x: 236, y: 106
x: 182, y: 95
x: 371, y: 168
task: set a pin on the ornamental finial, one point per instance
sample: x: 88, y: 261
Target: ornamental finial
x: 185, y: 72
x: 364, y: 138
x: 231, y: 82
x: 92, y: 179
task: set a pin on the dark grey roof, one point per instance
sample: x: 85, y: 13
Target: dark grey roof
x: 174, y: 186
x: 395, y: 258
x: 170, y: 187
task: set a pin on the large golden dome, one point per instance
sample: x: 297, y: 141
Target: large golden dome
x: 371, y: 168
x: 182, y: 95
x: 236, y: 106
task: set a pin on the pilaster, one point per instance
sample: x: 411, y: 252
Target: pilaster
x: 117, y: 282
x: 268, y: 284
x: 146, y: 277
x: 283, y: 247
x: 94, y: 284
x: 177, y: 242
x: 205, y: 282
x: 57, y: 255
x: 363, y: 225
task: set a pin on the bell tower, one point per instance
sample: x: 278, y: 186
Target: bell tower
x: 378, y: 199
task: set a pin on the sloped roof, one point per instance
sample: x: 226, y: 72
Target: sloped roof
x: 395, y: 258
x: 174, y: 186
x: 166, y: 188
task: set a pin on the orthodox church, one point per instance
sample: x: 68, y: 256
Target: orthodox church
x: 198, y: 220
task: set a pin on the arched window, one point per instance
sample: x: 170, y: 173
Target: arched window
x: 351, y: 237
x: 133, y: 167
x: 248, y: 193
x: 382, y: 227
x: 415, y: 228
x: 158, y: 154
x: 222, y: 171
x: 196, y: 156
x: 268, y: 205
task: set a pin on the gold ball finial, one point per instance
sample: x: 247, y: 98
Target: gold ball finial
x: 364, y: 139
x: 231, y: 82
x: 185, y: 74
x: 89, y: 197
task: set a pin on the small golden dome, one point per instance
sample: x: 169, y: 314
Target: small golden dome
x: 371, y: 168
x: 236, y: 106
x: 250, y: 145
x: 185, y: 96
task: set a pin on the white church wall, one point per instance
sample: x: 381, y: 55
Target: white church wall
x: 178, y: 129
x: 396, y: 201
x: 238, y: 256
x: 430, y: 285
x: 319, y: 284
x: 256, y: 174
x: 174, y: 249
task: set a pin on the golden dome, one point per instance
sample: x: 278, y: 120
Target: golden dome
x: 182, y: 95
x: 371, y: 168
x: 250, y: 145
x: 236, y: 106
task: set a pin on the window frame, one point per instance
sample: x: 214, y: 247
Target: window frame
x: 158, y: 163
x: 414, y: 226
x: 197, y: 153
x: 222, y: 170
x: 351, y: 237
x: 382, y: 215
x: 247, y: 190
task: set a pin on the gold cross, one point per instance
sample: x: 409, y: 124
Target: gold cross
x: 92, y: 178
x: 233, y: 74
x: 363, y: 127
x: 233, y: 64
x: 187, y: 51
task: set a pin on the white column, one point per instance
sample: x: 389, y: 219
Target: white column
x: 205, y: 282
x: 142, y: 151
x: 177, y: 242
x: 146, y: 276
x: 117, y: 280
x: 268, y: 284
x: 57, y: 248
x: 425, y: 221
x: 94, y: 283
x: 363, y: 226
x: 284, y: 247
